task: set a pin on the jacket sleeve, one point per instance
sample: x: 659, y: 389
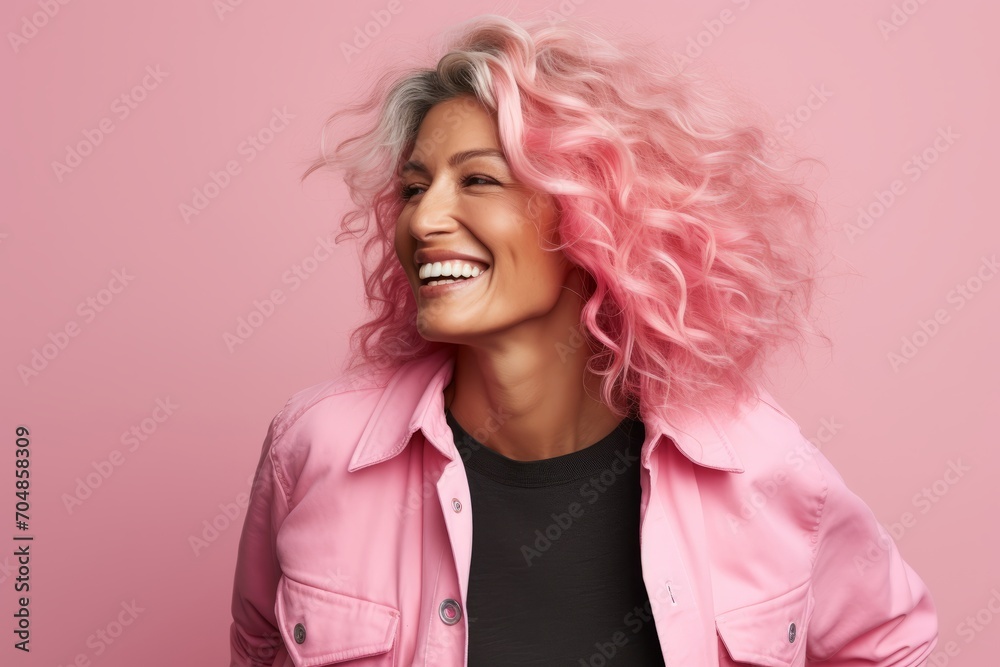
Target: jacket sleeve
x: 871, y: 608
x: 253, y: 636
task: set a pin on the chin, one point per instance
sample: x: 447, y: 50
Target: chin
x: 438, y: 331
x: 442, y: 334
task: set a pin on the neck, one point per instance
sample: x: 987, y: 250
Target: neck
x: 532, y: 398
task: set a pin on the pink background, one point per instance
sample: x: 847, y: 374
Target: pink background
x: 161, y: 337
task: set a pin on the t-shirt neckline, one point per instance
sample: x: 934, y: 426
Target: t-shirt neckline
x: 626, y: 438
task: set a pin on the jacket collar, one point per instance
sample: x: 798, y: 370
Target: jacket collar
x: 414, y: 400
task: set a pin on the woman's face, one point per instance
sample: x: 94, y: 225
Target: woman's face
x: 461, y: 201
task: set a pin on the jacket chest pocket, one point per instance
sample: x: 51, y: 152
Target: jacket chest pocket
x: 322, y: 627
x: 770, y: 633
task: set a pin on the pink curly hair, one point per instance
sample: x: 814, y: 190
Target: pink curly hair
x: 697, y: 246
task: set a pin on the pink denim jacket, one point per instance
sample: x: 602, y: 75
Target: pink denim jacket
x: 357, y: 541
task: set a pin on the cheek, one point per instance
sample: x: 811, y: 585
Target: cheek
x: 542, y: 278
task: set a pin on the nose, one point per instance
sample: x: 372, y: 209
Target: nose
x: 432, y: 212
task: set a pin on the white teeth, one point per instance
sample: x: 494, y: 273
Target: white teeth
x: 449, y: 268
x: 445, y: 281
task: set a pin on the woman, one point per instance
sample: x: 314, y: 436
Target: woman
x: 581, y: 260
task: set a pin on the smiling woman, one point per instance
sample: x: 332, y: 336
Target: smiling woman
x: 580, y: 263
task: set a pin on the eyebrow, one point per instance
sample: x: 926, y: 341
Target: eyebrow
x: 454, y: 160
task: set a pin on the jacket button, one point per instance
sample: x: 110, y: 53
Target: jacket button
x: 299, y: 633
x: 450, y: 611
x: 456, y: 504
x: 791, y: 633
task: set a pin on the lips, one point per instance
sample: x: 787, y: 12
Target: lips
x: 424, y: 257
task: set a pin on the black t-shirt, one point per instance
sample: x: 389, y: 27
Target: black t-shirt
x: 556, y: 575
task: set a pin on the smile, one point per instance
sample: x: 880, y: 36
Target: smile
x: 447, y: 284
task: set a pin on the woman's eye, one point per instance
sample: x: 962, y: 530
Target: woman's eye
x: 486, y: 180
x: 408, y: 191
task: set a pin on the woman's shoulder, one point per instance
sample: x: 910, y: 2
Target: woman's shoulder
x: 777, y: 457
x: 322, y: 424
x: 327, y: 412
x: 786, y: 470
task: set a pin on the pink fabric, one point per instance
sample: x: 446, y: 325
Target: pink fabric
x: 746, y: 529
